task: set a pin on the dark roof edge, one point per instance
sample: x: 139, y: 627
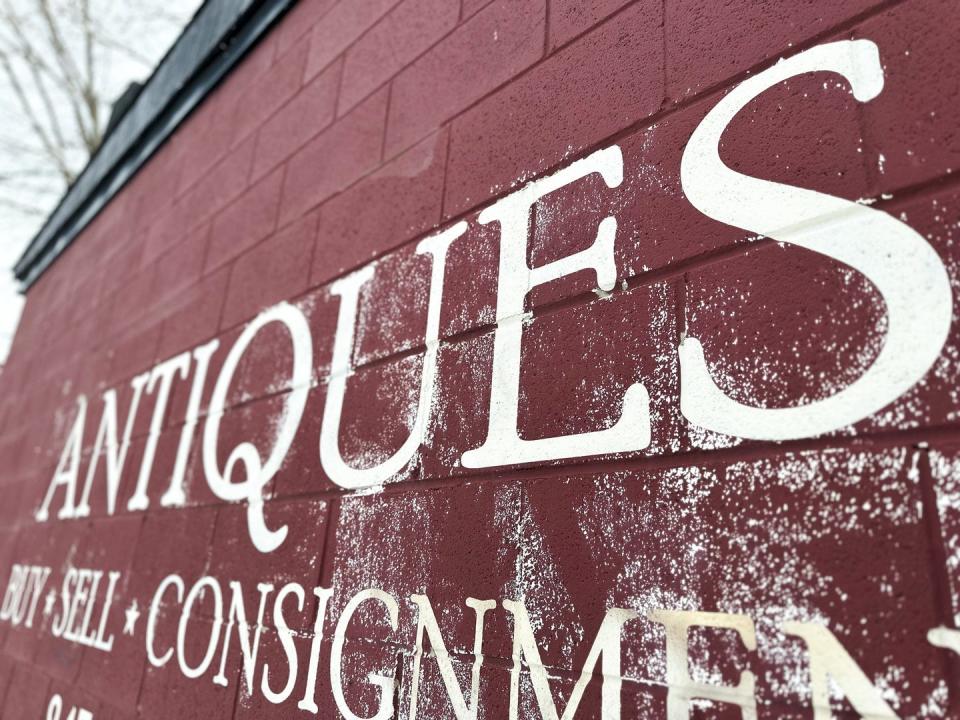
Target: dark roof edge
x: 217, y: 37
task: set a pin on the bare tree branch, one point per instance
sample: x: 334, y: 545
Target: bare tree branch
x: 83, y: 97
x: 62, y: 64
x: 40, y: 85
x: 53, y: 151
x: 23, y: 207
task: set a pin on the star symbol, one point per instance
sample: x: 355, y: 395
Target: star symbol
x: 132, y: 613
x: 48, y: 603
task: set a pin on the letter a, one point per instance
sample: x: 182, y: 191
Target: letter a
x: 67, y: 468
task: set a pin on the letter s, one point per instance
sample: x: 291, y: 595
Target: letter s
x: 898, y: 261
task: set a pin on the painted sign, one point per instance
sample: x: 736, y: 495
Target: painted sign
x: 494, y: 473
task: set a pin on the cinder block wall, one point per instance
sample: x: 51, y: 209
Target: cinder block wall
x: 353, y: 131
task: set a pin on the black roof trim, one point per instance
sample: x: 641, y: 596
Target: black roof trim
x: 217, y: 37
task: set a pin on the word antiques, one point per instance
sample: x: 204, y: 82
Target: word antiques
x: 897, y: 260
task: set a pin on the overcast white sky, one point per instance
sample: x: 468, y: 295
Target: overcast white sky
x: 148, y: 27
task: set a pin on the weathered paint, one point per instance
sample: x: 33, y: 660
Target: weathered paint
x: 568, y: 360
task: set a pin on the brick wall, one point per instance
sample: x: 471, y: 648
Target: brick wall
x: 353, y: 131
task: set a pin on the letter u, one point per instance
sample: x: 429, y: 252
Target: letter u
x: 349, y: 291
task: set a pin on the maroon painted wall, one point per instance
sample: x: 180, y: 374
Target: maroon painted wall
x: 352, y: 132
